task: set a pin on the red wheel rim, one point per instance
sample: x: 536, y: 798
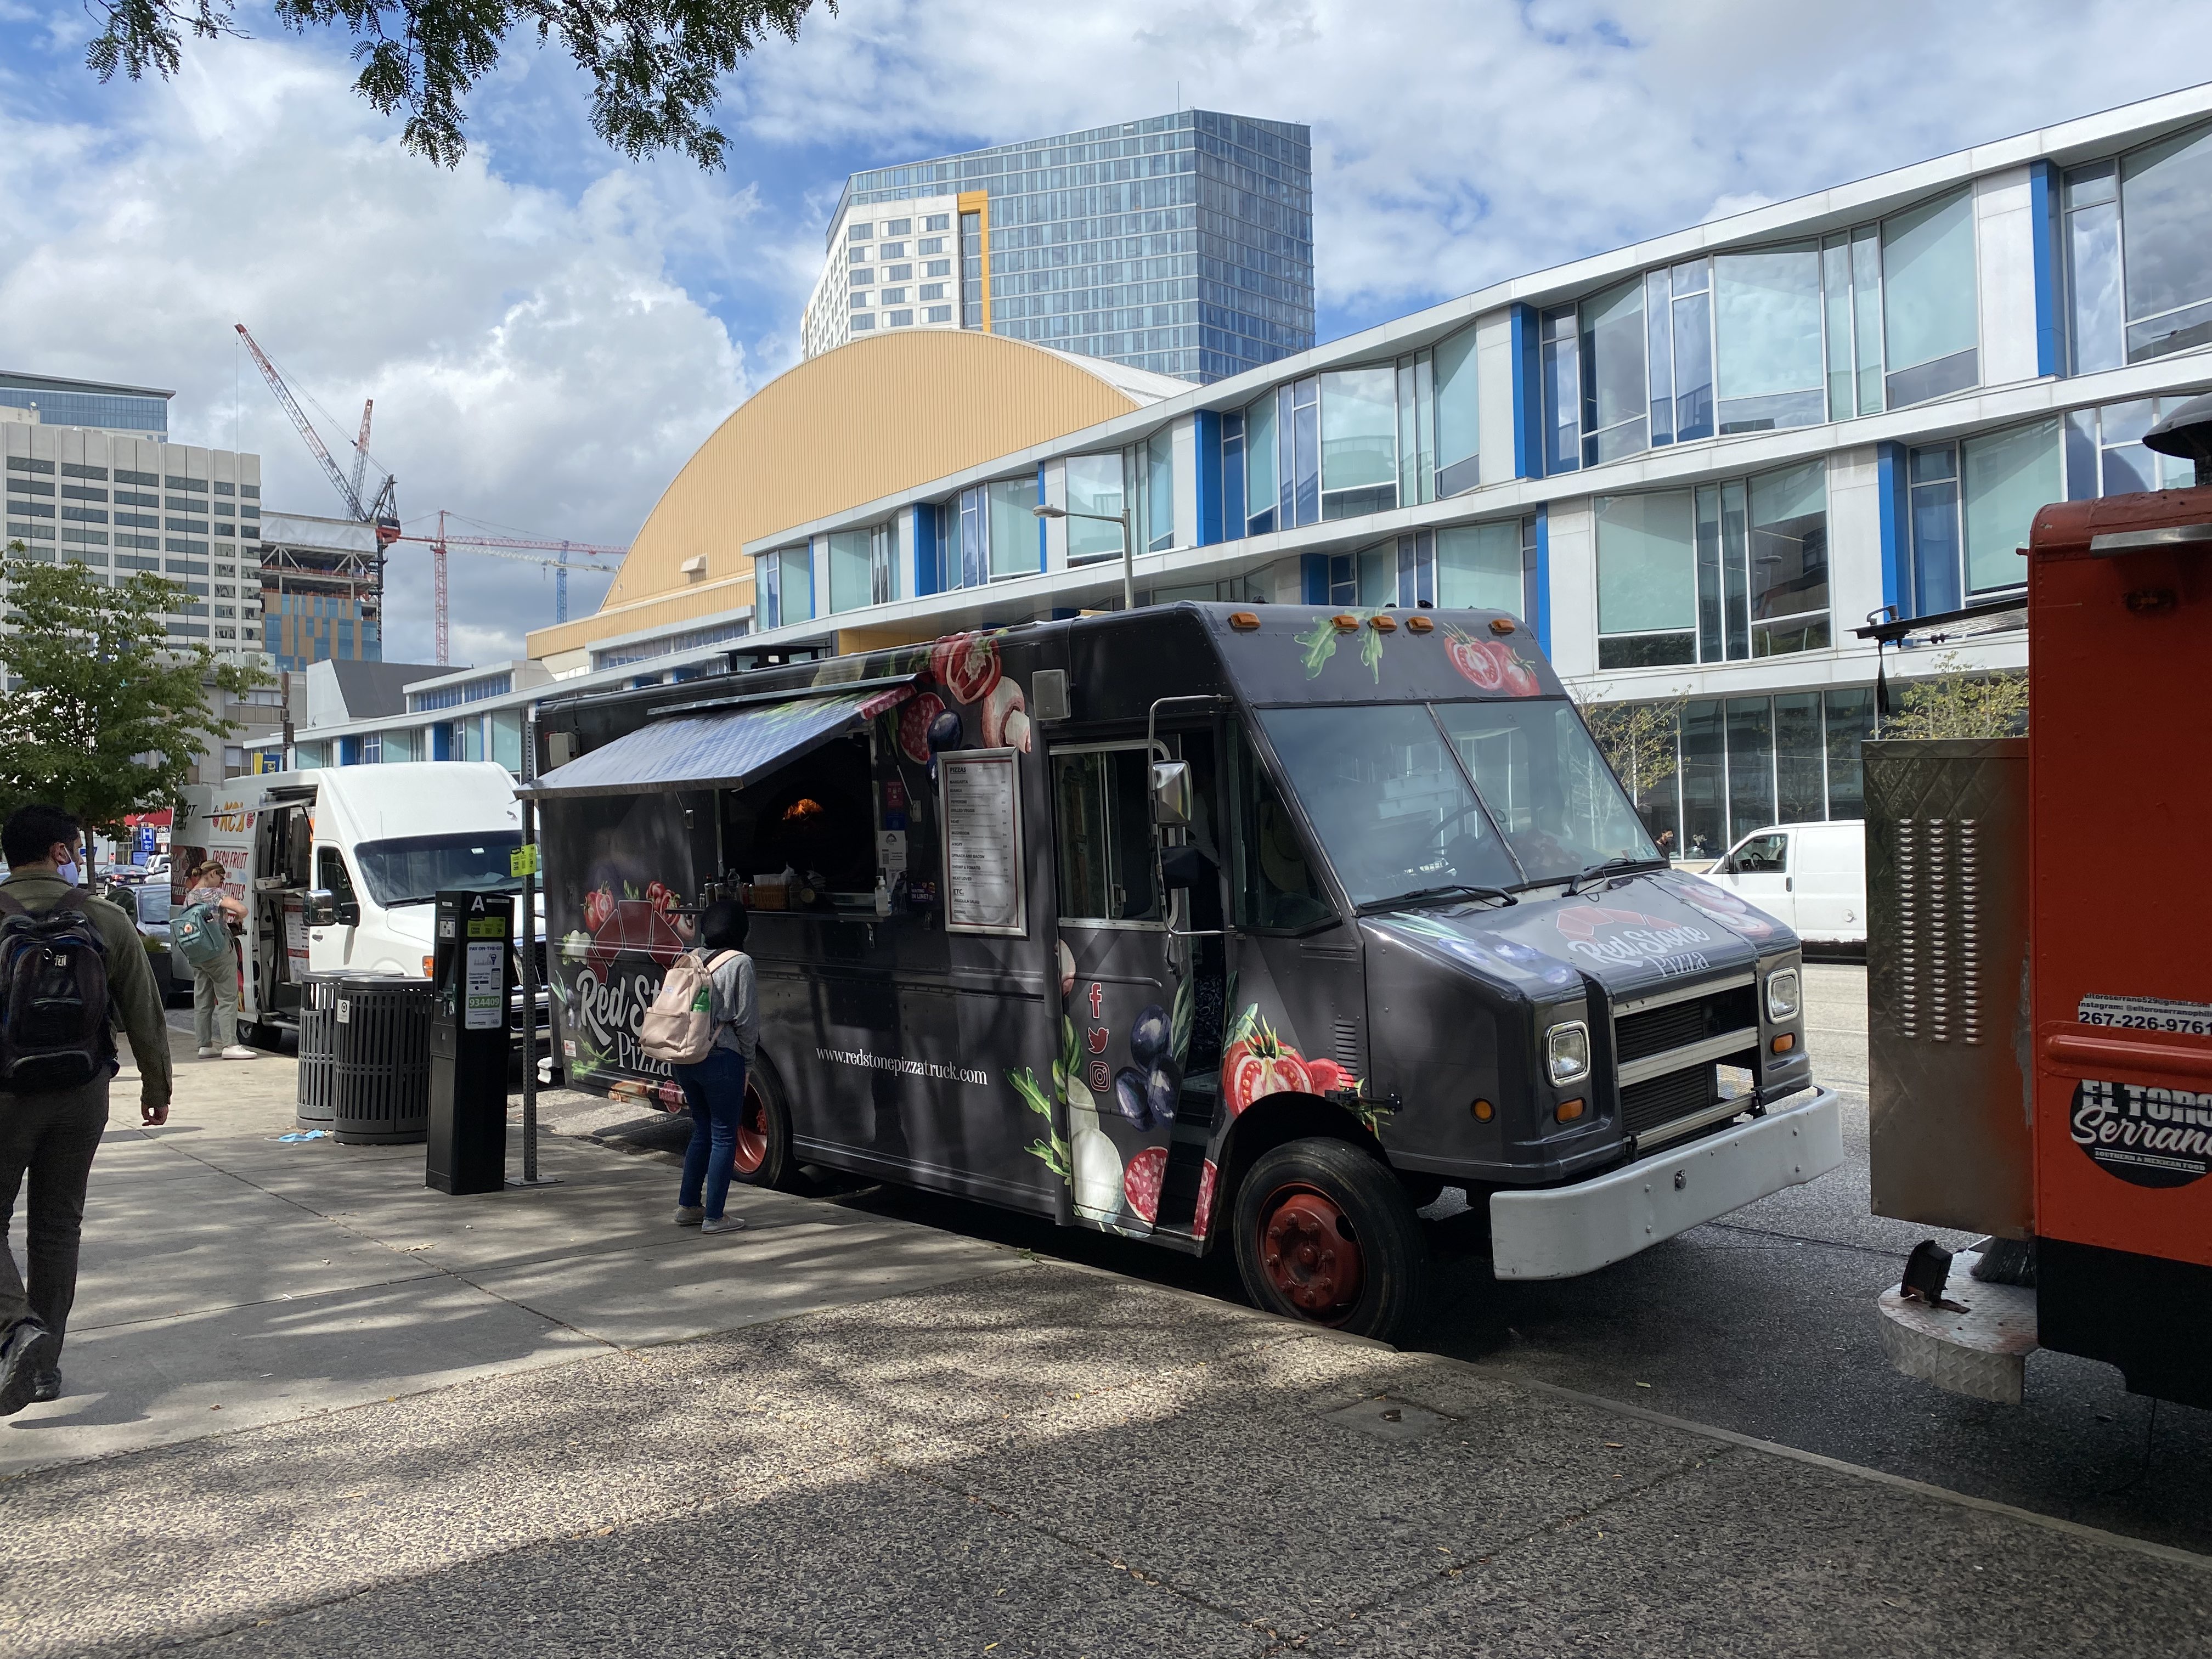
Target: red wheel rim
x: 1311, y: 1253
x: 752, y: 1131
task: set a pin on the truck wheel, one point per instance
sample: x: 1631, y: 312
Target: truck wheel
x: 763, y: 1131
x: 1326, y: 1234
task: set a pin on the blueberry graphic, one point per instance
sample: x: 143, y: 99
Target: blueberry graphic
x: 1148, y: 1037
x: 1160, y: 1092
x: 944, y: 732
x: 1129, y: 1094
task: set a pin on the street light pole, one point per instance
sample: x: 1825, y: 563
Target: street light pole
x: 1128, y: 544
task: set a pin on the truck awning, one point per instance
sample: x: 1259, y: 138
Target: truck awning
x: 723, y: 748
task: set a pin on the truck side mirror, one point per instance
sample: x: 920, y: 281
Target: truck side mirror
x: 1171, y: 794
x: 321, y: 905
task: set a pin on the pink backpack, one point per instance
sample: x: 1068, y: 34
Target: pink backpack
x: 679, y: 1027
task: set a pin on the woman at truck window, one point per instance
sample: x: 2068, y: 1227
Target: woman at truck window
x: 214, y: 985
x: 714, y: 1089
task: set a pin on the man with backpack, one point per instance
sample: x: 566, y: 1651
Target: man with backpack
x: 71, y: 969
x: 704, y: 1022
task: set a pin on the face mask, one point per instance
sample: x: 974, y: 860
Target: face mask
x: 67, y: 872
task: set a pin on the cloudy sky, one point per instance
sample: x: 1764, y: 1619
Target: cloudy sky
x: 548, y: 331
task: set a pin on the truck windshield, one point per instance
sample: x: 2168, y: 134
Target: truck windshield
x: 1391, y: 804
x: 412, y: 869
x: 1546, y: 785
x: 1393, y: 810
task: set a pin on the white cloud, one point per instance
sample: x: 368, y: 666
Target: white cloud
x: 532, y: 363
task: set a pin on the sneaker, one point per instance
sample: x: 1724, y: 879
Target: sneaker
x: 240, y: 1051
x: 31, y: 1349
x: 727, y: 1224
x: 689, y: 1215
x: 209, y: 1052
x: 48, y: 1386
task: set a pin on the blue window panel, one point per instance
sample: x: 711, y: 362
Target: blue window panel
x: 1042, y: 543
x: 2043, y: 217
x: 1527, y: 396
x: 1232, y: 476
x: 767, y: 589
x: 1313, y: 571
x: 1536, y: 576
x: 349, y: 751
x: 1343, y: 579
x: 926, y: 576
x: 1305, y: 428
x: 1206, y: 428
x: 1896, y: 550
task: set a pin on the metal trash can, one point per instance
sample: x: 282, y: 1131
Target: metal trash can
x: 380, y: 1065
x: 318, y: 1051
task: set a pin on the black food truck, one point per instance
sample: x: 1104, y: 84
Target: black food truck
x: 1194, y: 924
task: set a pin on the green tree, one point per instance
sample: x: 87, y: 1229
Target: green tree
x: 653, y: 63
x: 1954, y: 702
x: 1635, y: 738
x: 105, y: 713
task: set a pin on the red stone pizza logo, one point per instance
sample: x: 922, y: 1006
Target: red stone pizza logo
x: 1629, y: 939
x: 2147, y: 1137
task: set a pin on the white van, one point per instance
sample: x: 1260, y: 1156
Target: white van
x: 339, y: 868
x: 1810, y: 877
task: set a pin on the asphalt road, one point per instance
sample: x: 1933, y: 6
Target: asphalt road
x: 1765, y: 1324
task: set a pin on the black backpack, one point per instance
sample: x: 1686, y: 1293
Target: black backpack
x: 53, y: 997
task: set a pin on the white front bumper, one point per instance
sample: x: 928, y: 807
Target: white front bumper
x: 1562, y: 1231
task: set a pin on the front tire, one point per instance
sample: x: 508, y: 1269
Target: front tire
x: 1326, y: 1235
x: 764, y: 1156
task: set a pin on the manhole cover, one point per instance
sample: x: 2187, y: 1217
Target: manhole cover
x: 1389, y: 1419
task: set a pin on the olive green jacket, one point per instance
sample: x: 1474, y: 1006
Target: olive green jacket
x: 134, y: 1006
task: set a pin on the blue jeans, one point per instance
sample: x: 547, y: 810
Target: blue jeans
x: 716, y: 1088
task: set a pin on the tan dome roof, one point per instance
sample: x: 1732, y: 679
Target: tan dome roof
x: 868, y: 420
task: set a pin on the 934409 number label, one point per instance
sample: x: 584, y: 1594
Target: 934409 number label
x: 2146, y: 1014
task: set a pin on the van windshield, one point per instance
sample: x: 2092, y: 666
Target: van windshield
x: 413, y: 869
x: 1386, y: 786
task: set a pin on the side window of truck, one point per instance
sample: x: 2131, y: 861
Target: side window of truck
x: 1103, y: 824
x: 1760, y: 855
x: 330, y: 874
x: 1275, y: 887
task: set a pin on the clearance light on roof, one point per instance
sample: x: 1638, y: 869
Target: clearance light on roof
x: 1345, y: 624
x: 1244, y: 622
x: 1501, y: 624
x: 1418, y: 625
x: 1382, y: 624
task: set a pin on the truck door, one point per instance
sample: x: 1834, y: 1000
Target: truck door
x: 1144, y: 1007
x: 1758, y: 867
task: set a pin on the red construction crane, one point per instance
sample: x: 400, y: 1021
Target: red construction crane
x: 503, y: 547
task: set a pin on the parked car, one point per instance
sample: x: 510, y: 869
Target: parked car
x: 1809, y: 877
x: 147, y: 904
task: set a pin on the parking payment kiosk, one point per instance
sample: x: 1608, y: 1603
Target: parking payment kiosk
x: 473, y: 972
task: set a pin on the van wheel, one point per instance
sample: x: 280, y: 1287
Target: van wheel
x: 1326, y: 1234
x: 764, y: 1132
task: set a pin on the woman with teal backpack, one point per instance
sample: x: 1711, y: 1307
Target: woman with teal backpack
x: 209, y: 911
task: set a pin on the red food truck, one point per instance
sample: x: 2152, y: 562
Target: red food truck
x: 1201, y: 925
x: 2083, y: 1126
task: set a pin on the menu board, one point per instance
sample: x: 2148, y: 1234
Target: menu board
x: 981, y: 801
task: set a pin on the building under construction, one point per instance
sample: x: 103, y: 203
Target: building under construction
x: 322, y: 590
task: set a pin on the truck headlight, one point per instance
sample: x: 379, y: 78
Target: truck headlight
x: 1567, y: 1051
x: 1782, y: 994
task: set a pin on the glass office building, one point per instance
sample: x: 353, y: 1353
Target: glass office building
x: 134, y: 409
x: 1181, y: 245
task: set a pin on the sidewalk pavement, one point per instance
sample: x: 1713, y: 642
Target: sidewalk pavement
x: 547, y: 1420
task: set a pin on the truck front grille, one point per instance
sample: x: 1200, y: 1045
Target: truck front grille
x: 1667, y: 1055
x: 1646, y: 1106
x: 1677, y: 1025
